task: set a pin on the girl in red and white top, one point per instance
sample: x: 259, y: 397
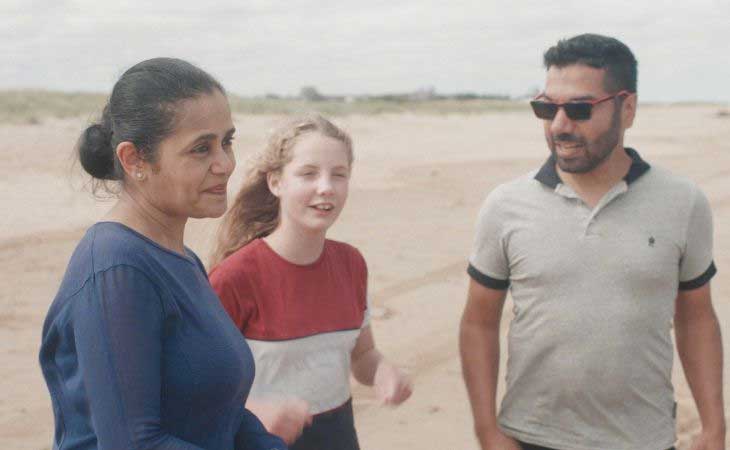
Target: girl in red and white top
x: 299, y: 298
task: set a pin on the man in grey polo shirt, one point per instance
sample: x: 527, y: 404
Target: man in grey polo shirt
x: 602, y: 253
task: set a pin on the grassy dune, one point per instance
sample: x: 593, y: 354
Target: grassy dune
x: 35, y: 106
x: 373, y: 106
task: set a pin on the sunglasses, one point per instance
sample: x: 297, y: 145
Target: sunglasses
x: 574, y: 110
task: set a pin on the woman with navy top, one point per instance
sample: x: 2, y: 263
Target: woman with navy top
x: 300, y: 298
x: 137, y: 351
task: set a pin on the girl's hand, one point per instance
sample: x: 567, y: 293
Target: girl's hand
x: 285, y: 418
x: 392, y: 385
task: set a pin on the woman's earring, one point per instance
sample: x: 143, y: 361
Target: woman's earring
x: 139, y: 175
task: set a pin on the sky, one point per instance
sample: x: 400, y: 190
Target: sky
x: 354, y: 47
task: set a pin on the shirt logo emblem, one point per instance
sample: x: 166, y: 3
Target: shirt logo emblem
x: 651, y: 241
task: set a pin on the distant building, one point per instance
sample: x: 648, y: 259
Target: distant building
x: 310, y: 94
x: 424, y: 93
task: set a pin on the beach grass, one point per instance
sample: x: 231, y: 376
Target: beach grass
x: 37, y: 106
x: 369, y: 106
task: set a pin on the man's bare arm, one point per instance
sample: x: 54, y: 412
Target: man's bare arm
x: 479, y: 347
x: 699, y: 344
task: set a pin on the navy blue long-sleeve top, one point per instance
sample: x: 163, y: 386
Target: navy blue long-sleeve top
x: 138, y: 353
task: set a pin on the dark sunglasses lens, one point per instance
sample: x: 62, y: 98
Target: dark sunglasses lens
x: 544, y: 110
x: 578, y: 111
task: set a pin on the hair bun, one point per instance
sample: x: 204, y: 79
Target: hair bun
x: 96, y: 153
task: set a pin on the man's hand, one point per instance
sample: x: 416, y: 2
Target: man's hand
x: 496, y: 440
x: 709, y: 441
x: 285, y: 418
x: 392, y: 386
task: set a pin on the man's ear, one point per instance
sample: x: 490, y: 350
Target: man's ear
x: 272, y: 180
x: 131, y: 159
x: 628, y: 110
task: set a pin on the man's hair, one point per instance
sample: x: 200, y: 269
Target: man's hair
x: 600, y: 52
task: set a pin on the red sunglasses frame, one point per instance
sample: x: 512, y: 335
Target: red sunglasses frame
x: 623, y: 93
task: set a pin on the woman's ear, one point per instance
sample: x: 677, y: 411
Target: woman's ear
x: 132, y: 163
x: 272, y: 180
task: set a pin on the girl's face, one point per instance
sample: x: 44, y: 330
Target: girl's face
x: 312, y: 187
x: 190, y: 176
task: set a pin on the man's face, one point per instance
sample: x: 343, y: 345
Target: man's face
x: 579, y: 146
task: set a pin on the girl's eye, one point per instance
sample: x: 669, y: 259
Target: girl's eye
x: 200, y: 149
x: 228, y: 142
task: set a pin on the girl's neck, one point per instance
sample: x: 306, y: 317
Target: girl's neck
x: 295, y: 246
x: 143, y: 218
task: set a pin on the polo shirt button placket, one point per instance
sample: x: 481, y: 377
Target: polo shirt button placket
x: 587, y: 232
x: 608, y: 198
x: 586, y: 217
x: 591, y: 220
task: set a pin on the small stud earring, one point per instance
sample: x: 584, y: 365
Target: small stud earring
x: 139, y: 175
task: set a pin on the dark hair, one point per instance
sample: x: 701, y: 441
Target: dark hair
x: 141, y: 110
x: 600, y: 52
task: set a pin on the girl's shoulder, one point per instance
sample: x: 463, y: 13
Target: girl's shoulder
x: 242, y: 260
x: 347, y: 252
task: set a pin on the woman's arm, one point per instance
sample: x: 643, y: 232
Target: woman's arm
x: 252, y: 435
x: 118, y: 329
x: 285, y: 418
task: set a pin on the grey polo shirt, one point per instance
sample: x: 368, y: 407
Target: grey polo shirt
x: 589, y: 349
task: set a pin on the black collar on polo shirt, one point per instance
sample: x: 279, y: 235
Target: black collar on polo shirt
x: 548, y: 175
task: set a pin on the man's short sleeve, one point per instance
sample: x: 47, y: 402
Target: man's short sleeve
x: 488, y: 263
x: 696, y: 267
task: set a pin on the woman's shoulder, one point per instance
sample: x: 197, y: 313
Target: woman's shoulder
x: 112, y: 245
x: 108, y: 251
x: 103, y: 246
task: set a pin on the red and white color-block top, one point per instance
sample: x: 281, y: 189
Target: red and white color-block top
x: 301, y: 321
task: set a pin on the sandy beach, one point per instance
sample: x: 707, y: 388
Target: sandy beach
x: 417, y: 185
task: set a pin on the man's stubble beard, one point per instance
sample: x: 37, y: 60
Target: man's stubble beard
x: 593, y: 153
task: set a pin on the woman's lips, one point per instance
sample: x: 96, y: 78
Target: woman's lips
x: 217, y: 190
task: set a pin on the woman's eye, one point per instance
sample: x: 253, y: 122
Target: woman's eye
x: 228, y: 142
x: 200, y: 149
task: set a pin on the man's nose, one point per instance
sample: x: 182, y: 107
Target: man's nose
x: 561, y: 123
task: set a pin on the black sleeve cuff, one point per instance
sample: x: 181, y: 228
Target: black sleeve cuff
x: 486, y: 280
x: 699, y: 281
